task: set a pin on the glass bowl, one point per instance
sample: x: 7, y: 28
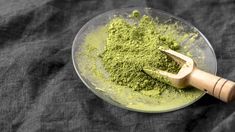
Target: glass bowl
x: 89, y: 69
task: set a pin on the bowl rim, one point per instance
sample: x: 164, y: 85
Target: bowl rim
x: 116, y: 103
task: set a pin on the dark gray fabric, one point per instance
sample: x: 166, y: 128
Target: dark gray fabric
x: 40, y: 91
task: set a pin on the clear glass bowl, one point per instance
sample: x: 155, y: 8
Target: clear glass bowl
x: 202, y: 53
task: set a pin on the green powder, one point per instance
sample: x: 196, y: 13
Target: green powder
x: 112, y: 58
x: 131, y: 46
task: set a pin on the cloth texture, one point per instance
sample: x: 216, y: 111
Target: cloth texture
x: 41, y: 92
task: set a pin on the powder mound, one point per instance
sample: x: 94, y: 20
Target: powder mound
x: 131, y: 46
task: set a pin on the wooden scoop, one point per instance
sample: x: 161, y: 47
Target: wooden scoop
x: 190, y: 75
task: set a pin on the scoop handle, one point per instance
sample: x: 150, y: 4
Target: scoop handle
x: 218, y: 87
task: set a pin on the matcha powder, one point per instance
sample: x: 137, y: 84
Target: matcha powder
x: 112, y: 58
x: 131, y: 45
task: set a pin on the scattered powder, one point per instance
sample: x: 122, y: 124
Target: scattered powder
x: 112, y: 57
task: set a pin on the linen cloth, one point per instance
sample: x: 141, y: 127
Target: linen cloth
x: 39, y: 88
